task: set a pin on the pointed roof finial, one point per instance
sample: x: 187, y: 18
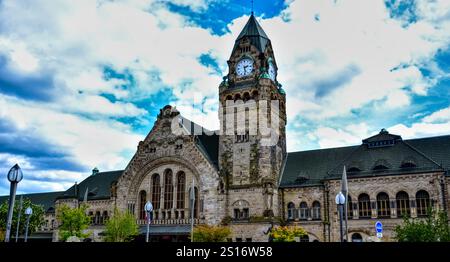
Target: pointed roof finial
x: 252, y: 7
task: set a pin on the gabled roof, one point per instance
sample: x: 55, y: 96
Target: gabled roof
x: 47, y: 200
x: 307, y: 168
x: 255, y: 33
x: 382, y: 136
x: 98, y: 186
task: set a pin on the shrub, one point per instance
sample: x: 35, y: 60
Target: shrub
x: 286, y: 233
x: 205, y: 233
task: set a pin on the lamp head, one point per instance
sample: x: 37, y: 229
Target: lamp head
x: 15, y: 174
x: 340, y: 199
x: 148, y: 207
x: 28, y: 211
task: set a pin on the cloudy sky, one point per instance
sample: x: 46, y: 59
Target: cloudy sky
x: 81, y: 81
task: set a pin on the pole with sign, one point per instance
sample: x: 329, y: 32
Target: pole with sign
x: 379, y: 229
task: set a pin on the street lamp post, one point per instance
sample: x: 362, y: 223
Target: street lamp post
x: 340, y: 201
x: 28, y: 213
x: 148, y: 210
x: 18, y: 218
x: 15, y: 175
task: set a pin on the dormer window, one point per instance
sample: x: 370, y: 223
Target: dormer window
x: 301, y: 179
x: 380, y: 167
x: 408, y: 164
x: 353, y: 169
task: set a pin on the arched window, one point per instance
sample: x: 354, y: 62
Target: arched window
x: 105, y: 216
x: 304, y: 238
x: 383, y: 205
x: 241, y: 210
x: 356, y: 237
x: 97, y: 218
x: 291, y: 210
x: 255, y: 94
x: 364, y: 206
x: 237, y: 97
x: 91, y: 215
x: 181, y: 184
x: 168, y: 190
x: 246, y: 96
x: 403, y: 204
x: 408, y: 164
x: 303, y: 212
x: 316, y: 210
x: 349, y: 207
x: 422, y: 202
x: 156, y: 192
x: 142, y: 201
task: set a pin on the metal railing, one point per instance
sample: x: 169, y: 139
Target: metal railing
x: 185, y: 221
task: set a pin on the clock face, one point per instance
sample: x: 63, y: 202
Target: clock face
x: 244, y: 67
x: 272, y: 72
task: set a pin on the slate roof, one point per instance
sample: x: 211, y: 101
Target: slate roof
x: 207, y: 142
x: 98, y: 186
x: 255, y: 33
x: 209, y: 145
x: 309, y: 168
x: 47, y: 200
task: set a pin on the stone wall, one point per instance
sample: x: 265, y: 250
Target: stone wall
x: 391, y: 185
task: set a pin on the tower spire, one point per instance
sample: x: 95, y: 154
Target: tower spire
x: 252, y: 7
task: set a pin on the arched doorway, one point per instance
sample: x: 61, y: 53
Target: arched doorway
x: 356, y: 237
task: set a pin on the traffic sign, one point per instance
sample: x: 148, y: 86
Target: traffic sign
x: 379, y: 227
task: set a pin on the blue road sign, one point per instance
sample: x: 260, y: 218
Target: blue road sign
x: 379, y: 227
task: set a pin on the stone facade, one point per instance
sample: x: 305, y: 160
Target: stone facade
x: 237, y: 173
x: 327, y: 228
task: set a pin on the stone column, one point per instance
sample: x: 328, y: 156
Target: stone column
x: 373, y: 206
x: 393, y: 207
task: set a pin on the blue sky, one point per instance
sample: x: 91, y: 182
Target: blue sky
x: 81, y: 82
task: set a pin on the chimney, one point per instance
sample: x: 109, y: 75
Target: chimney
x: 95, y: 171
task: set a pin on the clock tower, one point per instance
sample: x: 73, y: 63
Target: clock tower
x: 252, y: 144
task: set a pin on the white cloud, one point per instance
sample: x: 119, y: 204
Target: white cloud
x: 89, y: 142
x: 337, y: 137
x: 352, y: 33
x: 356, y: 55
x: 440, y: 116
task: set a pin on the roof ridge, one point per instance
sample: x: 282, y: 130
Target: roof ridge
x: 323, y: 149
x: 429, y: 137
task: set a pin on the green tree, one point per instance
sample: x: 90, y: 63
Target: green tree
x: 286, y: 233
x: 205, y: 233
x: 434, y: 228
x: 121, y: 227
x: 73, y: 221
x: 36, y: 219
